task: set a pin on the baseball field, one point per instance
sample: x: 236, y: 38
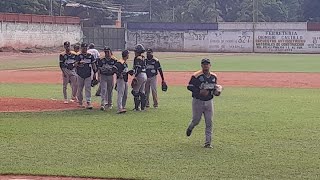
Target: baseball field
x: 266, y: 123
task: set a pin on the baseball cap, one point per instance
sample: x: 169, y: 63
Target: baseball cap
x: 149, y: 50
x: 106, y: 48
x: 125, y: 53
x: 67, y: 43
x: 205, y: 61
x: 84, y: 45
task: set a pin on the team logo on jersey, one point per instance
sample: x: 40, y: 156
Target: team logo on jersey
x: 201, y: 78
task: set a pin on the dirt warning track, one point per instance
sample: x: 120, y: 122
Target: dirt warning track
x: 237, y: 79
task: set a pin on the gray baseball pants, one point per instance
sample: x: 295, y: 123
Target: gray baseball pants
x: 86, y: 84
x: 206, y: 108
x: 122, y: 89
x: 141, y: 85
x: 69, y: 76
x: 107, y: 84
x: 151, y: 84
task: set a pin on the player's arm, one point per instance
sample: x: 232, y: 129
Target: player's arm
x: 61, y: 61
x: 193, y: 85
x: 94, y: 65
x: 160, y: 70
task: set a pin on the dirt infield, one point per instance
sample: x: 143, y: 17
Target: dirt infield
x: 33, y: 105
x: 237, y: 79
x: 11, y: 177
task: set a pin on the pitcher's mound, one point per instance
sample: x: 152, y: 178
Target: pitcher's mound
x: 33, y: 105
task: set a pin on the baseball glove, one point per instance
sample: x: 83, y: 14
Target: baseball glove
x: 164, y: 86
x: 134, y: 82
x: 94, y: 81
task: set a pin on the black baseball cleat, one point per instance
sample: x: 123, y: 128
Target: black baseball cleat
x: 189, y: 131
x: 208, y: 146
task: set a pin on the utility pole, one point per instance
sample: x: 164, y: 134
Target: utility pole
x: 150, y: 10
x: 255, y: 11
x: 51, y: 8
x: 60, y: 8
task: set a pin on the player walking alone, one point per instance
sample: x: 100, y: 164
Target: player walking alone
x: 203, y: 85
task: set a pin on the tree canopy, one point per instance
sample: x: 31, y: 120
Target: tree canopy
x: 204, y: 11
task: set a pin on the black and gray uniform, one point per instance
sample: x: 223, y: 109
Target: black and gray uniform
x: 139, y: 67
x: 121, y: 69
x: 202, y: 104
x: 152, y: 68
x: 105, y: 67
x: 66, y: 63
x: 85, y: 74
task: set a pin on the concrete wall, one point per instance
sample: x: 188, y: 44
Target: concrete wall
x: 232, y: 37
x: 21, y: 35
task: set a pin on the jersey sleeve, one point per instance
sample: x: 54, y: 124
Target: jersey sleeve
x: 61, y: 61
x: 93, y: 60
x: 158, y: 65
x: 78, y: 58
x: 194, y: 85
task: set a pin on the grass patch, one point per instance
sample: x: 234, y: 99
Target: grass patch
x: 260, y: 133
x: 191, y: 62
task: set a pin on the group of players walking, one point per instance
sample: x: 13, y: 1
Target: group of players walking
x: 83, y: 68
x: 80, y: 68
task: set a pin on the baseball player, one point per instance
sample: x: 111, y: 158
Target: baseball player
x: 105, y: 66
x: 66, y: 62
x: 121, y: 69
x: 85, y: 63
x: 96, y: 56
x: 76, y: 48
x: 203, y: 85
x: 140, y: 78
x: 152, y: 69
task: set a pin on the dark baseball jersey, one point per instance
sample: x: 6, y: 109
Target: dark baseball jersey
x: 152, y: 67
x: 106, y: 65
x: 67, y: 60
x: 139, y: 65
x: 200, y: 81
x: 121, y: 69
x: 85, y: 70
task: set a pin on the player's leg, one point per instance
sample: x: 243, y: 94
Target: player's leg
x: 197, y: 111
x: 125, y: 95
x: 103, y: 86
x: 153, y: 85
x: 120, y: 91
x: 98, y: 93
x: 74, y: 88
x: 80, y: 90
x: 143, y: 79
x: 147, y: 89
x: 208, y: 115
x: 87, y: 86
x: 110, y: 86
x: 65, y: 82
x: 136, y: 95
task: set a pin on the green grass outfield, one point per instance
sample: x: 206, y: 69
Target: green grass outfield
x: 260, y: 133
x: 190, y: 62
